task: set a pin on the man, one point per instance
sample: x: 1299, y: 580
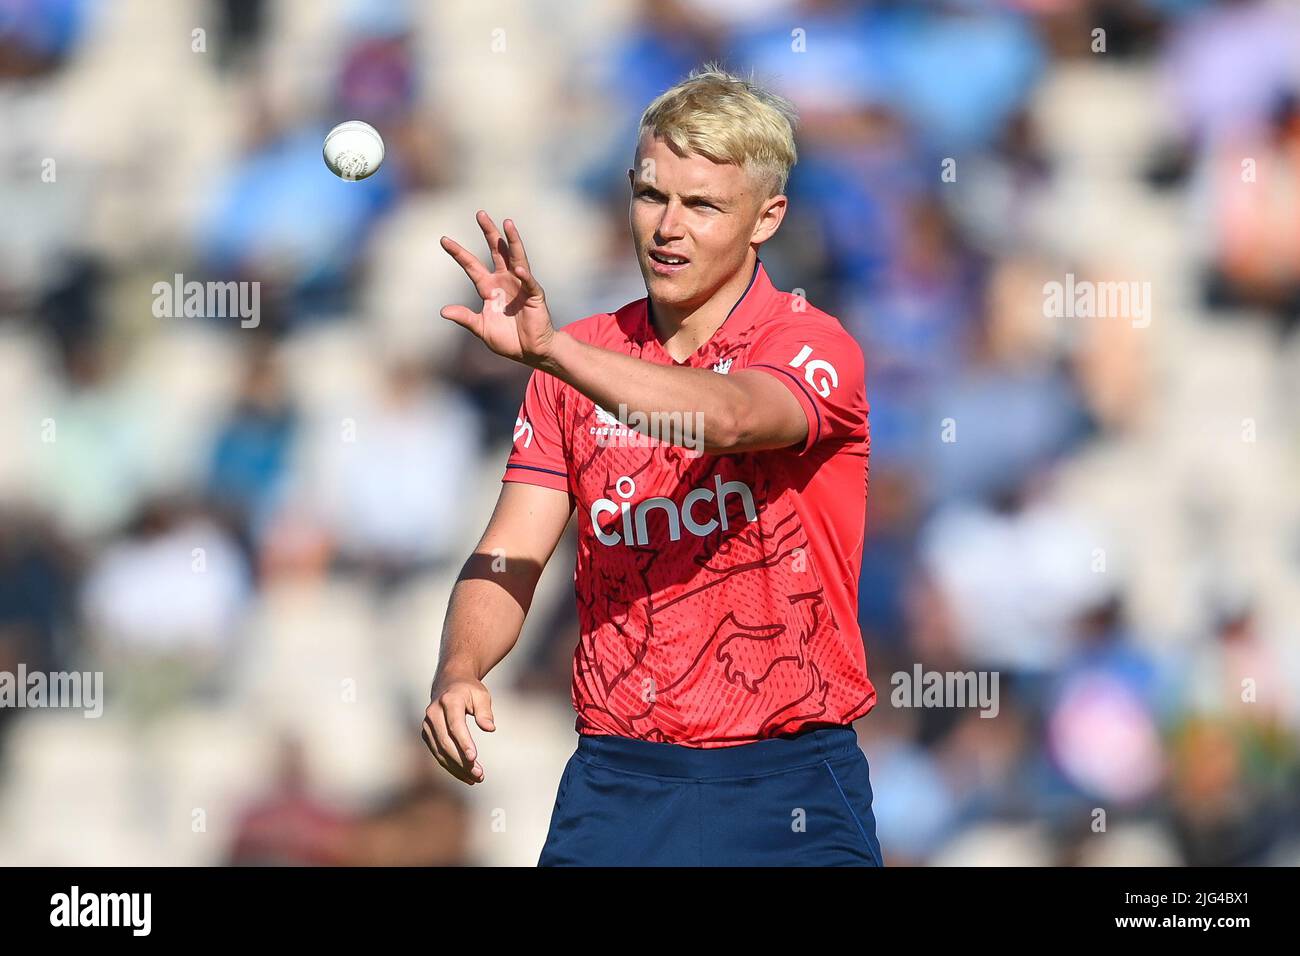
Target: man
x: 720, y: 663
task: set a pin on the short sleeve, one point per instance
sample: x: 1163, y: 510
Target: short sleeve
x: 537, y: 456
x: 822, y: 366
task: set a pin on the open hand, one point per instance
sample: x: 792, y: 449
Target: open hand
x: 513, y: 320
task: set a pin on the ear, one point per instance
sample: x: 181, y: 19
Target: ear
x: 770, y: 215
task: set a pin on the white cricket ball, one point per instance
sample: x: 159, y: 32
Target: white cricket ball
x: 353, y: 150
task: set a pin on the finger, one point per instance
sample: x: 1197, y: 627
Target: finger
x: 458, y: 731
x: 481, y: 708
x: 473, y: 268
x: 427, y: 735
x: 462, y: 316
x: 452, y: 760
x: 518, y: 257
x: 531, y: 287
x: 496, y: 248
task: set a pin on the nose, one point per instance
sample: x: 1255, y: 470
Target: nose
x: 670, y: 223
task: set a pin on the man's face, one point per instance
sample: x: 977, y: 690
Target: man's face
x: 693, y: 221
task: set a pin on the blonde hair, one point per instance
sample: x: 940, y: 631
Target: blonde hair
x: 727, y: 119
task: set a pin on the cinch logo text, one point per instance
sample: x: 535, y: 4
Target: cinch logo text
x: 635, y: 529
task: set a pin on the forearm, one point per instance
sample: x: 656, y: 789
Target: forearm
x: 611, y: 379
x: 484, y: 617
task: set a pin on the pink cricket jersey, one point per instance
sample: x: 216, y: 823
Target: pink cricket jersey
x: 717, y: 594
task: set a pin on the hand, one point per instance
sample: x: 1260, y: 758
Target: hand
x: 514, y: 320
x: 445, y: 731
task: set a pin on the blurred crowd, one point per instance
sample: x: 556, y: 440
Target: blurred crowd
x: 252, y: 529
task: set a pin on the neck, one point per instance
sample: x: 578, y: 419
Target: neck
x: 698, y: 321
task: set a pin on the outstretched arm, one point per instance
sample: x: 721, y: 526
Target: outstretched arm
x: 745, y: 411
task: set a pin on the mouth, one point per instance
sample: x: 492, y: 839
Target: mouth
x: 666, y: 263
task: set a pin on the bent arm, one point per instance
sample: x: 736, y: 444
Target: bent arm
x: 745, y: 411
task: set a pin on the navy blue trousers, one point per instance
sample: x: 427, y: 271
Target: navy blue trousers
x: 800, y: 801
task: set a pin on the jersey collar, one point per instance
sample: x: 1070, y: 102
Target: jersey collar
x: 743, y: 314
